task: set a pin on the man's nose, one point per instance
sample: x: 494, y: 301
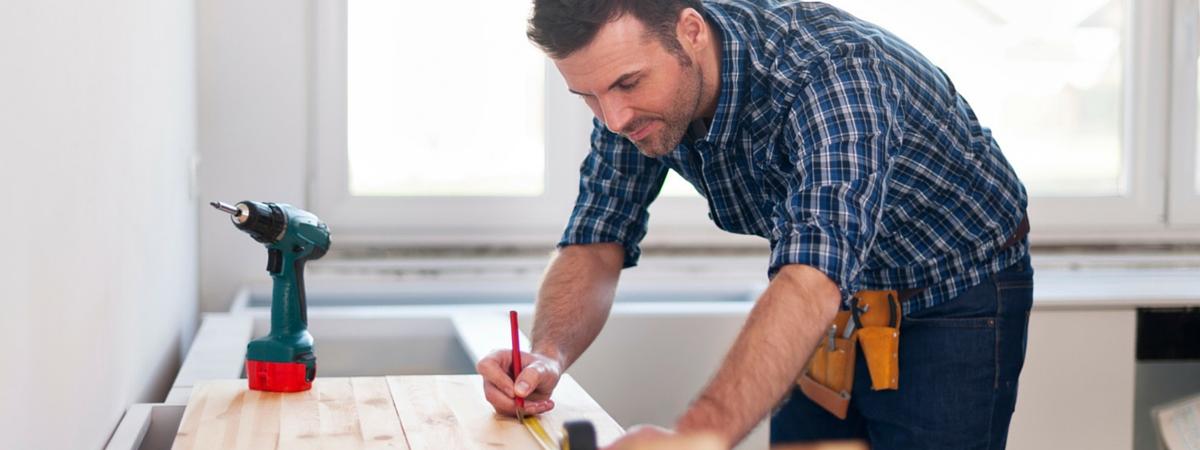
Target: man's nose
x: 617, y: 115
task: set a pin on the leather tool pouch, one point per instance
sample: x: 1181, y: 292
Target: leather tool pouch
x: 879, y: 336
x: 829, y: 377
x: 875, y: 321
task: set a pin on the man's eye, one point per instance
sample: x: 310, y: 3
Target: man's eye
x: 627, y: 86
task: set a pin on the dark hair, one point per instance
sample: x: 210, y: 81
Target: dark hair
x: 561, y: 27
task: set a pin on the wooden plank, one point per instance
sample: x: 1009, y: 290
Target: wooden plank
x: 444, y: 412
x: 225, y: 414
x: 379, y: 424
x: 204, y: 422
x: 351, y: 413
x: 300, y: 418
x: 259, y: 421
x: 402, y: 413
x: 337, y: 414
x: 450, y: 412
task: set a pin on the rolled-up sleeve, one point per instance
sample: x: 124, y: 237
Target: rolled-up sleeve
x: 843, y: 128
x: 616, y: 186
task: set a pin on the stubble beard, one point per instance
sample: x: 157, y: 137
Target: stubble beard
x: 679, y: 117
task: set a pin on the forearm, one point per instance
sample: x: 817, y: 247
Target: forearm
x: 780, y: 334
x: 575, y: 299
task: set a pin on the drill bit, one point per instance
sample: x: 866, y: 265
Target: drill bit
x: 233, y: 210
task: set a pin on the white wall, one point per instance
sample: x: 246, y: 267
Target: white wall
x: 253, y: 122
x: 97, y: 221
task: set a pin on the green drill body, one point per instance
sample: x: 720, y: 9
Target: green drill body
x: 292, y: 237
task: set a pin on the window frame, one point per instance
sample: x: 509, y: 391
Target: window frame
x: 1184, y: 206
x: 1139, y: 215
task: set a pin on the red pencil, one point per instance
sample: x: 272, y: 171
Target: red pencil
x: 516, y: 356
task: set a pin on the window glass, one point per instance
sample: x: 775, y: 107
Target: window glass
x: 440, y: 107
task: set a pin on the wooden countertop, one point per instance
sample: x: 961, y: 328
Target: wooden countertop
x: 399, y: 412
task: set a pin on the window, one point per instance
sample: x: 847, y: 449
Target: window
x: 417, y: 141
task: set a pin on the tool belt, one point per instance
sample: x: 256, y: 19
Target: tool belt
x: 872, y: 322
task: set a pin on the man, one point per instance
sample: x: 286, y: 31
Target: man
x: 844, y: 147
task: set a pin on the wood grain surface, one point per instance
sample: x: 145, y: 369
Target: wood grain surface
x: 403, y: 412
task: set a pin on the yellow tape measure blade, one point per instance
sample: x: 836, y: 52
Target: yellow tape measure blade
x: 539, y: 432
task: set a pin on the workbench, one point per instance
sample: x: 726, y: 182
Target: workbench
x: 439, y: 412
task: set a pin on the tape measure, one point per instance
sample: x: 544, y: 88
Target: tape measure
x: 576, y: 435
x: 539, y: 432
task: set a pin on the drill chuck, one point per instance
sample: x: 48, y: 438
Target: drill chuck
x: 265, y: 222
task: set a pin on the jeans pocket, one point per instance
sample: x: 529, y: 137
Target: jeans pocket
x: 973, y: 322
x: 974, y: 308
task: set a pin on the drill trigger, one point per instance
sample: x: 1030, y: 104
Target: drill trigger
x: 274, y: 261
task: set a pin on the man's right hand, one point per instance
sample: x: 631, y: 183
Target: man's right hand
x: 572, y: 305
x: 536, y: 382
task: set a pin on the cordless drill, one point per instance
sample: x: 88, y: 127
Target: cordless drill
x: 283, y: 360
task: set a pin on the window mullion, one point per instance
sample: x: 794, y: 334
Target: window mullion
x: 1184, y: 193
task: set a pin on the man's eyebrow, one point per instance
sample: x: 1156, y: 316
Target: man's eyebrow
x: 621, y: 79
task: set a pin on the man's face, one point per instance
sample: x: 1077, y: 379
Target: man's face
x: 635, y: 85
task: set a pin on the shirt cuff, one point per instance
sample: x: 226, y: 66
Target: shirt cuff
x: 625, y: 231
x: 820, y: 246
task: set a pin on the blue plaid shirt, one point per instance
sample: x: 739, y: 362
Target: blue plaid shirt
x: 836, y: 141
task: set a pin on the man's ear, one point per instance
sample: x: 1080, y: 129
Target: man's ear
x: 691, y: 30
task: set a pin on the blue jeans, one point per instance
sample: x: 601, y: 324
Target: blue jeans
x: 959, y: 364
